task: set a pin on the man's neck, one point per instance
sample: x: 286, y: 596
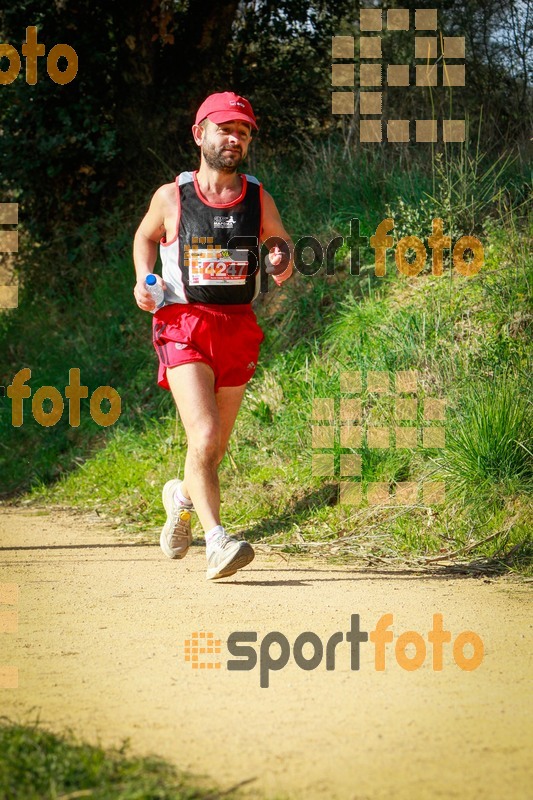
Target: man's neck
x: 213, y: 183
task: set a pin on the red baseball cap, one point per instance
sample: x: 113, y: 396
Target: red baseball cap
x: 226, y: 106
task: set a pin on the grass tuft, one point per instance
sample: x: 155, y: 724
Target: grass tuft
x: 36, y: 764
x: 488, y: 457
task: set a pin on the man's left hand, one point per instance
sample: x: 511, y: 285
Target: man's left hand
x: 274, y: 260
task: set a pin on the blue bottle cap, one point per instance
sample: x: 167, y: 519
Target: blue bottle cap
x: 151, y: 279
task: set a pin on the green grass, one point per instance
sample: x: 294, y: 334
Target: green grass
x: 468, y: 338
x: 38, y: 765
x: 490, y: 442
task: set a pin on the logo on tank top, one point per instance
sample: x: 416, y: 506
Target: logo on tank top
x: 223, y: 222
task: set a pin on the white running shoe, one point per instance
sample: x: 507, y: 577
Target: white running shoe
x: 225, y: 555
x: 176, y: 535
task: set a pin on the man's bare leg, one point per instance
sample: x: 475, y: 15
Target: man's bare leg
x: 208, y: 419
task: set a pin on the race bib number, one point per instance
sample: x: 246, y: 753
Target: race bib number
x: 212, y: 267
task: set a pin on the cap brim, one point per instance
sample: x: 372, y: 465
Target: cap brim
x: 219, y: 117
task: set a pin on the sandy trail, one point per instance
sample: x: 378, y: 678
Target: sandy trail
x: 100, y: 648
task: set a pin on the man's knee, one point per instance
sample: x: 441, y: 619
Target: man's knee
x: 204, y: 444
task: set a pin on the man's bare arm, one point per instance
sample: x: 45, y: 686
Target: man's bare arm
x: 148, y: 234
x: 273, y: 226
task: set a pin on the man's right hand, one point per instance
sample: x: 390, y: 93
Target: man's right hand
x: 144, y: 299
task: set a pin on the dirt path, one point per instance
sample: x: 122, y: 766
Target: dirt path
x: 100, y: 648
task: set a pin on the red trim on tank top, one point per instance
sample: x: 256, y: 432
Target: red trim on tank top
x: 206, y: 202
x: 163, y: 242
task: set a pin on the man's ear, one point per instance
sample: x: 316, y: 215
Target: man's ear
x: 198, y: 134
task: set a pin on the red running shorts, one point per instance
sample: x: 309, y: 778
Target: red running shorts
x: 226, y: 337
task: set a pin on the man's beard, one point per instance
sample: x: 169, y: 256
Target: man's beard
x: 220, y: 161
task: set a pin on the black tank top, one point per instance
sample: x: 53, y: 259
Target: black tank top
x: 215, y: 254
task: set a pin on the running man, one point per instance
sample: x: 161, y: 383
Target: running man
x: 209, y: 224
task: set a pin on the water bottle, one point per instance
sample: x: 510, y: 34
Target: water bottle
x: 155, y: 290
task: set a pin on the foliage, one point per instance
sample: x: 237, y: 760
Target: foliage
x: 281, y: 53
x: 36, y: 764
x: 69, y: 153
x: 58, y: 144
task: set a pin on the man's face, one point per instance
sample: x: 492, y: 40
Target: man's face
x: 224, y: 146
